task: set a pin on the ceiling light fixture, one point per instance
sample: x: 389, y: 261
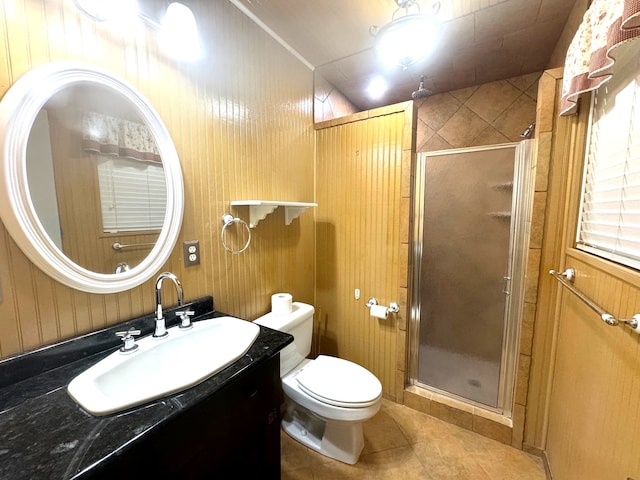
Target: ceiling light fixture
x: 377, y: 88
x: 180, y: 33
x: 408, y: 38
x: 178, y: 30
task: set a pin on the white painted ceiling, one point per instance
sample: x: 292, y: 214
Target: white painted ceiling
x: 483, y: 41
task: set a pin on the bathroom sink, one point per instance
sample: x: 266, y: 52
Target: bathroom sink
x: 160, y: 367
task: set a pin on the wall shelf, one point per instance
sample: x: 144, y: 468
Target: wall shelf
x: 259, y: 209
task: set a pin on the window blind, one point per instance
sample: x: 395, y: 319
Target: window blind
x: 133, y: 194
x: 609, y: 223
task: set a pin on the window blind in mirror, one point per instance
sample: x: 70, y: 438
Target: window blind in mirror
x: 133, y: 194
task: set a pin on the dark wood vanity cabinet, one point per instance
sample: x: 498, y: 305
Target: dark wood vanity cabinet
x: 234, y: 433
x: 225, y: 427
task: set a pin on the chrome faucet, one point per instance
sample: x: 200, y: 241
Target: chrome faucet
x: 161, y: 330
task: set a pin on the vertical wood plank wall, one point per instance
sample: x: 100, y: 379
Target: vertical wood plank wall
x: 360, y: 230
x: 583, y: 389
x: 241, y: 120
x: 594, y: 421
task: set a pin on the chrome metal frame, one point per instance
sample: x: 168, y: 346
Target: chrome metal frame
x: 519, y: 244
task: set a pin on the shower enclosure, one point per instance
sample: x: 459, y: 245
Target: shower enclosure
x: 471, y: 217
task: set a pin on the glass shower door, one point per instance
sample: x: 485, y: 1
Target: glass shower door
x: 464, y: 270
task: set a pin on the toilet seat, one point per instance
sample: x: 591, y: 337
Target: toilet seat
x: 339, y: 382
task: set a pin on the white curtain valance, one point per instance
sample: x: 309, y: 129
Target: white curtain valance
x: 115, y: 136
x: 606, y: 25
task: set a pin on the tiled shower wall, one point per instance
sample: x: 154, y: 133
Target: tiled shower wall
x: 496, y: 112
x: 492, y: 113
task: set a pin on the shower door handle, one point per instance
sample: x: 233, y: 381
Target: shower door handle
x: 506, y: 285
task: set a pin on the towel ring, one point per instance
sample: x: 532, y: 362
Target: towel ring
x: 228, y: 219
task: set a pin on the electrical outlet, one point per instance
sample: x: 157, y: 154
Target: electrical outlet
x: 191, y: 253
x: 356, y: 294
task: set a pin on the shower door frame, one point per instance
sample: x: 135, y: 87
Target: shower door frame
x: 521, y: 203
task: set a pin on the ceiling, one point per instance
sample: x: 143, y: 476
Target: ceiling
x: 483, y: 41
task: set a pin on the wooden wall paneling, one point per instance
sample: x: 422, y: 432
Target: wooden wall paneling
x: 5, y: 71
x: 596, y: 375
x: 358, y: 242
x: 17, y: 39
x: 23, y: 286
x: 10, y: 336
x: 53, y: 28
x: 585, y: 378
x: 37, y: 42
x: 356, y: 247
x: 561, y: 132
x: 46, y: 302
x: 238, y: 133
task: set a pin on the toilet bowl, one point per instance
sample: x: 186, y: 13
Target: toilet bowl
x: 327, y: 399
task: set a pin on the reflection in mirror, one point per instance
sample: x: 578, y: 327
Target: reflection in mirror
x: 58, y: 171
x: 96, y: 178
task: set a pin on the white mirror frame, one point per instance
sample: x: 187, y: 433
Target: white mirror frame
x: 18, y: 110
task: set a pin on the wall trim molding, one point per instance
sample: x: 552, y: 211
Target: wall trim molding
x: 238, y: 4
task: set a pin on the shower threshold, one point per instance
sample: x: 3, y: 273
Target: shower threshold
x: 461, y: 404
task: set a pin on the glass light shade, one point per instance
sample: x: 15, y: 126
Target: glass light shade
x: 407, y: 39
x: 179, y: 34
x: 377, y: 88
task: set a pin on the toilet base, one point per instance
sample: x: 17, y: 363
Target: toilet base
x: 341, y: 441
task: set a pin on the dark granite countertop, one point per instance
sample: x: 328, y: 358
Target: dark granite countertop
x: 45, y: 434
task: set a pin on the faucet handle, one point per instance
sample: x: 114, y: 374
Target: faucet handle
x: 185, y: 321
x: 129, y: 340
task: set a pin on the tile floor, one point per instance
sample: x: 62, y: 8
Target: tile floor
x: 404, y: 444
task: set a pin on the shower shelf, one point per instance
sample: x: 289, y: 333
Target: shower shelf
x: 500, y: 214
x: 259, y: 209
x: 503, y: 186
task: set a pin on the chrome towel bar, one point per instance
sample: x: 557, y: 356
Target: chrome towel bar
x: 120, y: 246
x: 567, y: 277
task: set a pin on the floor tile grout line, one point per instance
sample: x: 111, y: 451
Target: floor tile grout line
x: 448, y: 443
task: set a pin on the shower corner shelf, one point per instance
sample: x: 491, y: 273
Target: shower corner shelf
x: 259, y: 209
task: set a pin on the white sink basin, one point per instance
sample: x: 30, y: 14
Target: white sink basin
x: 163, y: 366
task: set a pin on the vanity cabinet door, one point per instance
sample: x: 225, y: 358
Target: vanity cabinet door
x: 246, y: 428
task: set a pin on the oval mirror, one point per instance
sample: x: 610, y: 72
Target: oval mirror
x: 91, y: 181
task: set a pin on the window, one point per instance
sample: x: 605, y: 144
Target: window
x: 133, y: 194
x: 609, y: 223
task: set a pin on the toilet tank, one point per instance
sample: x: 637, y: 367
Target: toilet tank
x: 298, y: 323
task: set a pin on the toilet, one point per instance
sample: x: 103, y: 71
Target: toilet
x: 327, y: 399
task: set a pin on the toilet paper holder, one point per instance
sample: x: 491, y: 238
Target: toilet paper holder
x: 392, y: 308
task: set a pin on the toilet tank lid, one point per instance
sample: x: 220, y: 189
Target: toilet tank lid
x: 299, y: 311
